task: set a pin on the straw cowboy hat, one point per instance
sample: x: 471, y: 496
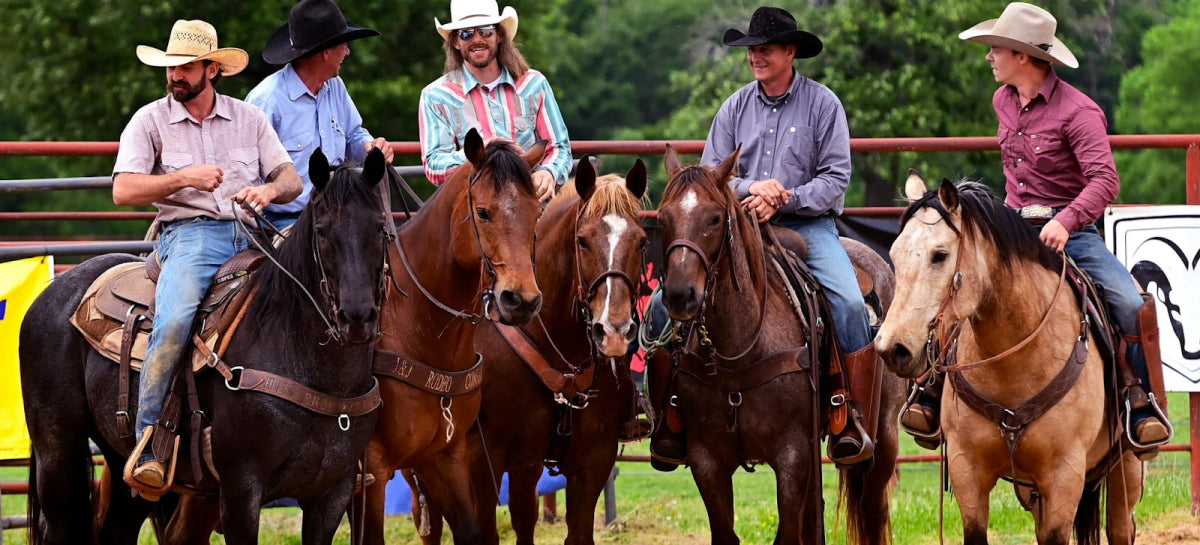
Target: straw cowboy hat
x: 313, y: 25
x: 194, y: 41
x: 775, y: 26
x: 1025, y: 28
x: 476, y: 13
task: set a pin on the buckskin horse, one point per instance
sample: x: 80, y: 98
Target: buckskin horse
x: 310, y: 321
x: 974, y: 283
x: 467, y: 256
x: 756, y: 398
x: 568, y: 366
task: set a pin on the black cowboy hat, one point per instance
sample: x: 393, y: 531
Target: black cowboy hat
x: 775, y: 26
x: 313, y: 25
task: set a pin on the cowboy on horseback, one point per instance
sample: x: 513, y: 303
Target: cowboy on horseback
x: 1060, y: 175
x: 191, y: 154
x: 794, y: 168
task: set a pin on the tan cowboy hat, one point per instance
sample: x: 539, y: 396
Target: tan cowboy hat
x: 1025, y: 28
x: 475, y: 13
x: 194, y: 41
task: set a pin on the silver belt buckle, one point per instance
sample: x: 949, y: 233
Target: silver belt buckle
x: 1037, y: 213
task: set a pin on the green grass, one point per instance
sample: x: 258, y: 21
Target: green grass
x: 665, y: 508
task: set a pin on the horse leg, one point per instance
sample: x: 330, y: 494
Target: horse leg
x: 241, y: 502
x: 448, y: 483
x: 125, y: 514
x: 972, y: 488
x: 865, y: 492
x: 60, y: 485
x: 426, y: 516
x: 1124, y: 492
x: 716, y: 488
x: 371, y: 515
x: 523, y: 501
x: 1058, y: 505
x: 794, y: 485
x: 323, y: 513
x: 195, y: 519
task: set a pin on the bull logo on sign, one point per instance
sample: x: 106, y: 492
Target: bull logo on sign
x: 1171, y: 276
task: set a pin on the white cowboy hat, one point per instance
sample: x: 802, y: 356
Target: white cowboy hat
x: 1025, y: 28
x: 475, y: 13
x: 194, y: 41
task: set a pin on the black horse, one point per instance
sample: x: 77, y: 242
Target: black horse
x: 316, y: 329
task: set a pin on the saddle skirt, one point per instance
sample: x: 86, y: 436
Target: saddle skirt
x: 126, y: 292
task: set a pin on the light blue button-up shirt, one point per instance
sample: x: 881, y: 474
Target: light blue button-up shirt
x: 304, y: 121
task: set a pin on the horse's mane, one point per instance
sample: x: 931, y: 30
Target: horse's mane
x: 748, y: 256
x: 985, y: 214
x: 296, y: 253
x: 610, y: 197
x: 506, y: 163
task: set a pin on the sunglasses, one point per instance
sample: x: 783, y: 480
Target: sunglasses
x: 484, y: 32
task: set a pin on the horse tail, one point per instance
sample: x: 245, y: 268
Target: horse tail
x: 863, y: 494
x: 1087, y: 517
x: 33, y: 509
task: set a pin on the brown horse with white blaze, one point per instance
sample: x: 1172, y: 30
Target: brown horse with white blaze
x: 965, y: 262
x: 467, y: 256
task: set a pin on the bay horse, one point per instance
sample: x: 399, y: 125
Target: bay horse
x: 467, y: 256
x: 312, y: 319
x: 966, y: 261
x: 758, y: 402
x: 592, y: 246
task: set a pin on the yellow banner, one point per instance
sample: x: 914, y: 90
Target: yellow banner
x: 20, y: 283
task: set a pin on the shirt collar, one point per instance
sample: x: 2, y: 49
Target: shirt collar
x: 1046, y: 91
x: 469, y: 81
x: 762, y: 95
x: 176, y: 112
x: 295, y: 86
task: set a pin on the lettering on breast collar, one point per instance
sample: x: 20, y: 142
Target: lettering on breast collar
x: 439, y: 382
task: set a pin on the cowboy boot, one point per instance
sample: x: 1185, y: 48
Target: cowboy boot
x: 921, y: 416
x: 667, y: 450
x: 864, y: 373
x: 633, y: 427
x: 1146, y: 423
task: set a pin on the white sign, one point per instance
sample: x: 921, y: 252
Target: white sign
x: 1160, y: 245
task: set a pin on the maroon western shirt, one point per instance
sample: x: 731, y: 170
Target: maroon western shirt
x: 1056, y: 152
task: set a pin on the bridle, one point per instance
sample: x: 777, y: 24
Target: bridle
x: 941, y: 338
x: 584, y: 298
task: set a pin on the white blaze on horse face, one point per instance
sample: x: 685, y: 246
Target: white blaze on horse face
x: 688, y: 204
x: 617, y: 226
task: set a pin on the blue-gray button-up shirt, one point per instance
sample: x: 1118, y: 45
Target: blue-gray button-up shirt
x: 801, y: 139
x: 304, y: 121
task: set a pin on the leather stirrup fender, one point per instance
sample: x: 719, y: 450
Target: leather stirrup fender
x: 865, y: 377
x: 1147, y: 317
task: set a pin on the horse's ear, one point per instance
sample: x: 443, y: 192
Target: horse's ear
x: 948, y: 194
x: 635, y: 179
x: 534, y: 155
x: 374, y: 167
x: 318, y: 169
x: 671, y: 161
x: 585, y: 178
x: 915, y: 186
x: 473, y: 147
x: 729, y: 166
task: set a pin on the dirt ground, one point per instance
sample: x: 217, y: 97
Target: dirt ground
x: 1184, y: 533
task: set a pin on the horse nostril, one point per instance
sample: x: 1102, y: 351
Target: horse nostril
x: 900, y: 356
x: 536, y: 302
x: 598, y: 332
x: 509, y: 298
x: 630, y: 331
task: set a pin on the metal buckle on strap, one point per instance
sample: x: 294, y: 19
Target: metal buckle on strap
x: 344, y: 422
x: 1004, y: 421
x: 239, y: 370
x: 837, y: 400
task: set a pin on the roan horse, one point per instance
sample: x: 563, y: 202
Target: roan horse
x: 312, y: 320
x: 592, y: 246
x: 743, y: 412
x: 962, y: 257
x: 467, y: 256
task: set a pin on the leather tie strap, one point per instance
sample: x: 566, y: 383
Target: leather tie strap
x: 128, y: 334
x: 427, y: 377
x: 750, y: 377
x: 568, y: 384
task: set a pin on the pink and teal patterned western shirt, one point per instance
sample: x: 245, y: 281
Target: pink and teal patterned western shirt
x: 523, y: 111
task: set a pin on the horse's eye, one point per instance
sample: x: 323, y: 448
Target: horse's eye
x: 582, y: 242
x: 940, y: 256
x: 714, y: 221
x: 642, y: 245
x: 483, y: 214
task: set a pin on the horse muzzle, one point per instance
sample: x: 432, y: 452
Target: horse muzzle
x: 511, y: 307
x: 357, y: 325
x: 613, y: 342
x: 899, y: 359
x: 683, y: 302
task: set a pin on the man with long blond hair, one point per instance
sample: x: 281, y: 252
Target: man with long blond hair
x: 488, y: 86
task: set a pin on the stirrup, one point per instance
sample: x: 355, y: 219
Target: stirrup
x: 927, y: 440
x: 1158, y: 414
x: 150, y: 493
x: 865, y: 452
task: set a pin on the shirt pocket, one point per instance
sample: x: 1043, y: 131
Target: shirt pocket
x: 243, y: 166
x: 174, y: 160
x: 796, y: 153
x: 1048, y: 152
x: 1008, y: 146
x: 297, y: 144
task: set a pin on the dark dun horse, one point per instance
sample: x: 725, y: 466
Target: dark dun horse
x: 591, y: 244
x: 263, y: 447
x: 963, y: 257
x: 741, y: 414
x: 467, y: 256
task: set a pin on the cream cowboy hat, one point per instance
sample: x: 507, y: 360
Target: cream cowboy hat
x: 474, y: 13
x: 194, y: 41
x: 1025, y: 28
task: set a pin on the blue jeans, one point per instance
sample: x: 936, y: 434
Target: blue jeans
x: 1088, y: 250
x: 831, y: 266
x: 281, y: 220
x: 190, y: 250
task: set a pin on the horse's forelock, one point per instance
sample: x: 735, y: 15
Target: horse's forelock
x: 504, y: 164
x: 693, y: 176
x: 611, y: 197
